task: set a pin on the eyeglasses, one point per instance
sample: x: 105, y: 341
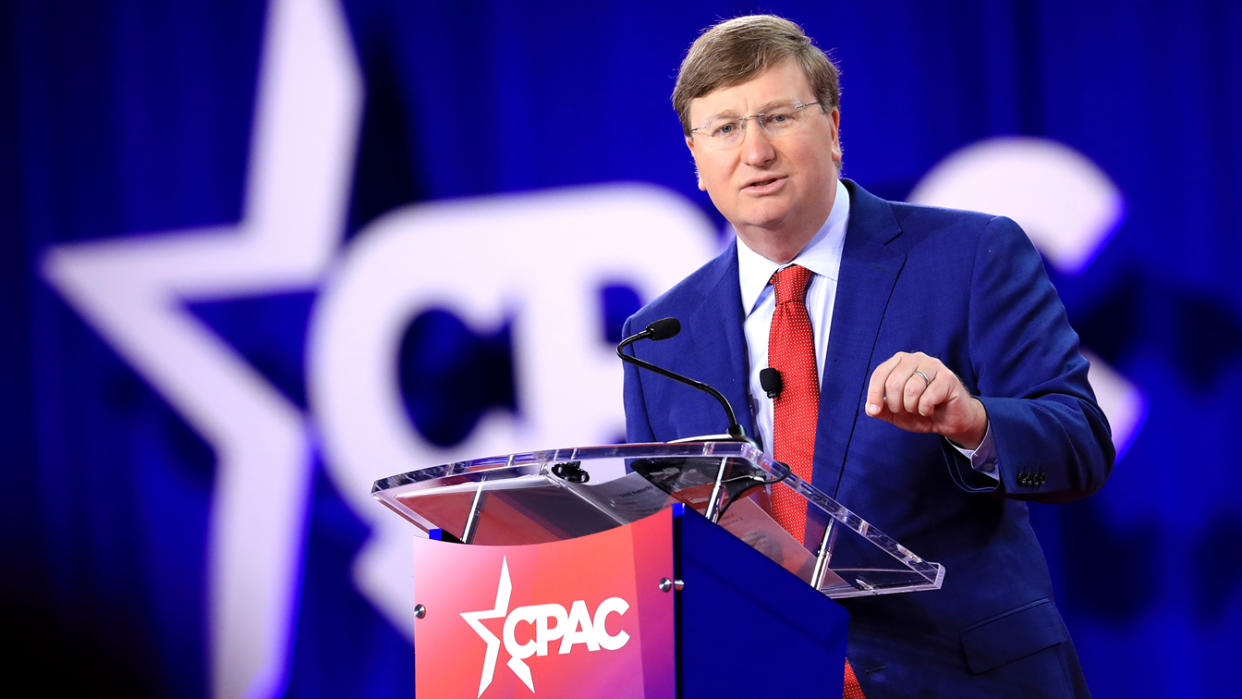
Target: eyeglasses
x: 726, y: 133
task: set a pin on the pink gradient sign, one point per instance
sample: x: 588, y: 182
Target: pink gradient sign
x: 574, y: 618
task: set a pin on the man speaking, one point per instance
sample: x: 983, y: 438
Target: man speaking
x: 929, y: 379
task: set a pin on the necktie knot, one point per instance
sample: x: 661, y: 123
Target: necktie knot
x: 791, y: 283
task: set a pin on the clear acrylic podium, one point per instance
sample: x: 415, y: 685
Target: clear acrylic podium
x: 687, y: 592
x: 541, y: 496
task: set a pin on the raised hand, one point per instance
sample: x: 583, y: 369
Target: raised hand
x: 918, y: 393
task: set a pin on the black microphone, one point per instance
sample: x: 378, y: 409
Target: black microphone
x: 771, y: 382
x: 663, y: 329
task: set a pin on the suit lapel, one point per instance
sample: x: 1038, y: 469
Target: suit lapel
x: 869, y: 269
x: 720, y: 357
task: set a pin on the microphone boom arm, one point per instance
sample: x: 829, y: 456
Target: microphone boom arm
x: 735, y: 429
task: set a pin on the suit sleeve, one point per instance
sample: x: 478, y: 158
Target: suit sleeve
x: 1053, y: 441
x: 637, y: 424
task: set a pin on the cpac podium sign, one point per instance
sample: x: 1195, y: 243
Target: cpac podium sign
x: 579, y: 617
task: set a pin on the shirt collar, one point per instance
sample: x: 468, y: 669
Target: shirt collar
x: 822, y: 255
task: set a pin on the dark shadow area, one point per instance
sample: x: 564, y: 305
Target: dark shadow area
x: 1216, y: 566
x: 450, y: 375
x: 1114, y: 572
x: 619, y: 301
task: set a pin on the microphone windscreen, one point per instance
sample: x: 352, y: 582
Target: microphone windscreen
x: 771, y: 382
x: 664, y: 328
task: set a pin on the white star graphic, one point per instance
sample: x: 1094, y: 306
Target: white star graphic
x: 519, y: 668
x: 133, y: 292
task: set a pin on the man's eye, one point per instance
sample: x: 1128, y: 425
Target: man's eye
x: 780, y: 118
x: 724, y: 129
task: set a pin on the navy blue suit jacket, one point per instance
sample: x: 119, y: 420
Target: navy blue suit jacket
x: 969, y: 289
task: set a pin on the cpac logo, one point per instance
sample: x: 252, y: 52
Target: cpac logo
x: 547, y: 623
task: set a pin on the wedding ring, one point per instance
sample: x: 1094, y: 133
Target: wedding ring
x: 920, y: 373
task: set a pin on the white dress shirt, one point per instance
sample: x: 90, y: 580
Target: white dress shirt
x: 822, y: 255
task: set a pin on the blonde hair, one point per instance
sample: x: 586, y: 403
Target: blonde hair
x: 736, y: 50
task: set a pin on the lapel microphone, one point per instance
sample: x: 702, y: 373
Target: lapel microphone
x: 663, y: 329
x: 770, y: 381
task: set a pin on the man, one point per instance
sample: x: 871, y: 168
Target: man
x: 937, y: 387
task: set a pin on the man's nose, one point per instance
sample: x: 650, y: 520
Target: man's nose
x: 757, y: 145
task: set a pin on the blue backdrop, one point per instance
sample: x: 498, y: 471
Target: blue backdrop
x: 136, y: 120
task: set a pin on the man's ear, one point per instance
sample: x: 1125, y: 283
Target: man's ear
x: 835, y: 118
x: 698, y: 178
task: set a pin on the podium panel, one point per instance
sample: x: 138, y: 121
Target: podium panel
x: 575, y: 618
x: 668, y: 606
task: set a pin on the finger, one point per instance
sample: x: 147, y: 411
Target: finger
x: 895, y: 384
x: 912, y: 393
x: 875, y: 387
x: 938, y: 392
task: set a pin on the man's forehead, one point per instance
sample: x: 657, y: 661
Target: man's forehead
x: 782, y: 82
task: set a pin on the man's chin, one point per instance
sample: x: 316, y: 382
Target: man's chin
x: 768, y: 222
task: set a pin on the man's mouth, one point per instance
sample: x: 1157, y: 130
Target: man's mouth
x: 763, y: 183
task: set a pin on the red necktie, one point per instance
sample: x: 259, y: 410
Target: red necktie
x: 791, y: 351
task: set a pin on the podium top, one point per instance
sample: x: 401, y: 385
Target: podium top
x: 549, y: 495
